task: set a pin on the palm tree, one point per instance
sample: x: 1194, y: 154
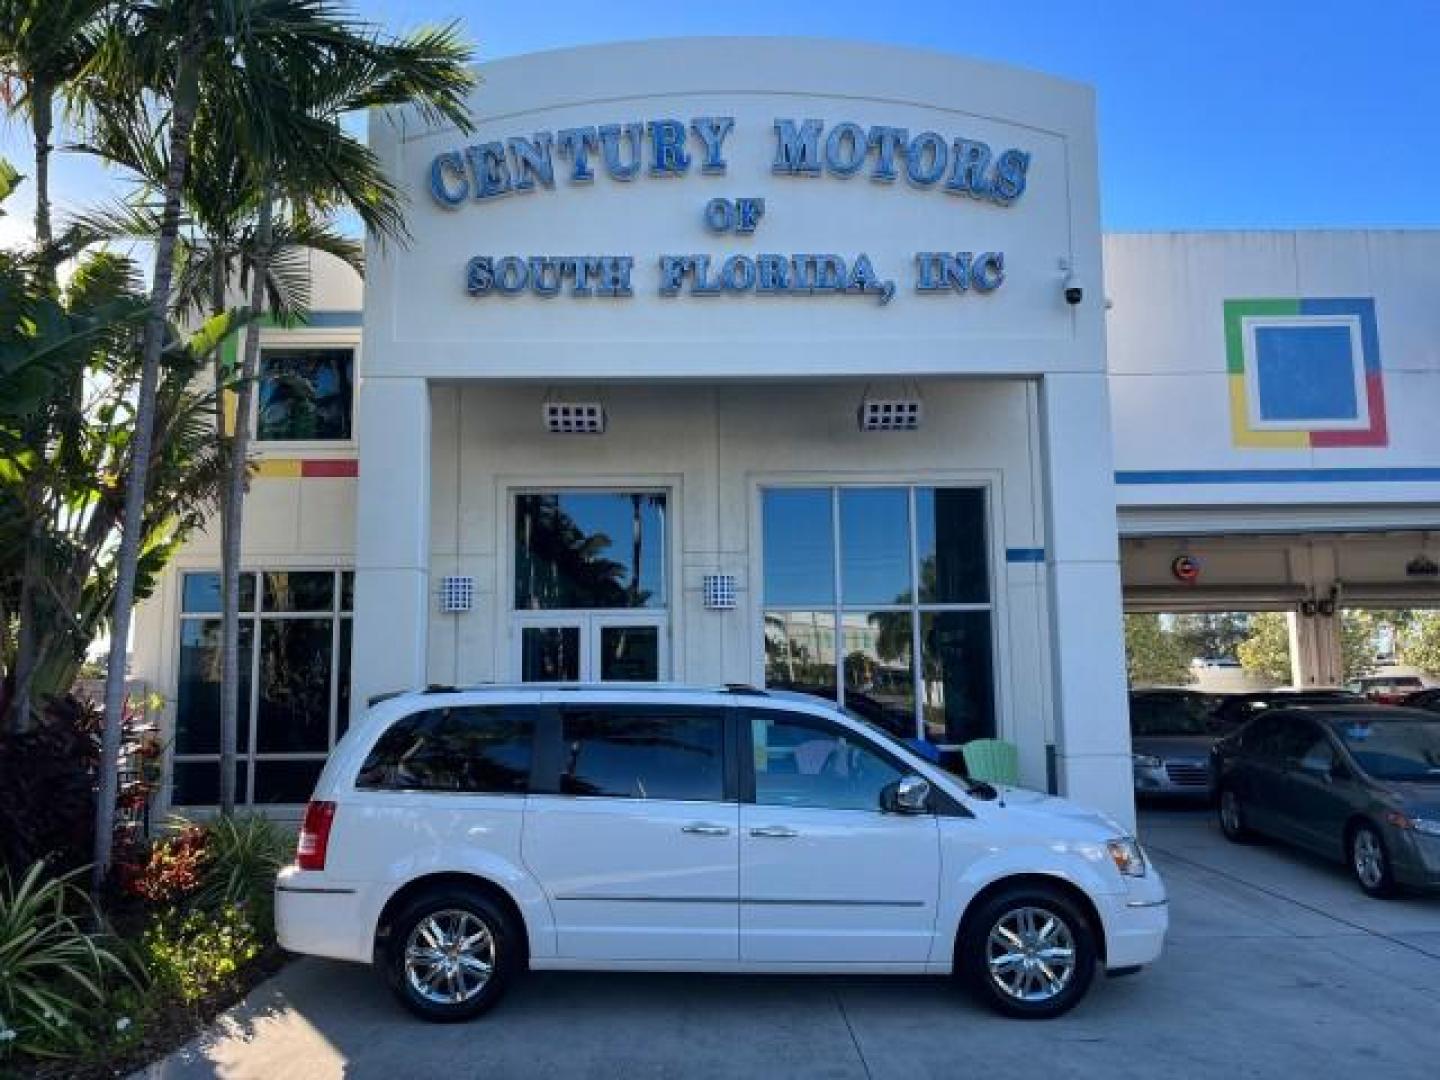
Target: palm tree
x: 306, y: 160
x: 44, y: 45
x: 255, y: 56
x: 257, y: 61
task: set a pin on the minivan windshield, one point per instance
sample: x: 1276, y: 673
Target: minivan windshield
x: 1178, y: 714
x: 1404, y: 750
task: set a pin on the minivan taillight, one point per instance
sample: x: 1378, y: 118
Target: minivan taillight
x: 315, y: 835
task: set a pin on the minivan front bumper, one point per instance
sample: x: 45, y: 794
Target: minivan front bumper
x: 1136, y: 921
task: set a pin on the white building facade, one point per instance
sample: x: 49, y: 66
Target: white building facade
x: 781, y: 363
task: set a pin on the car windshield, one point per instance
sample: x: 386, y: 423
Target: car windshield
x: 1392, y: 749
x: 1189, y: 715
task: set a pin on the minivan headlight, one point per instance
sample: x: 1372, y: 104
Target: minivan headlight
x: 1129, y: 858
x: 1428, y: 826
x: 1146, y: 761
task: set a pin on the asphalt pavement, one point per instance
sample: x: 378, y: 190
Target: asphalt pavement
x: 1277, y: 966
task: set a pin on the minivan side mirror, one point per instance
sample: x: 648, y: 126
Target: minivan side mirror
x: 908, y: 795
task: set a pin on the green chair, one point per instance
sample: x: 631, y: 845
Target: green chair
x: 993, y: 760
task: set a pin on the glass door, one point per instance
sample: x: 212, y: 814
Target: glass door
x: 590, y: 587
x: 591, y: 648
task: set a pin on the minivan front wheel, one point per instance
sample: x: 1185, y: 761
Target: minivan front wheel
x: 1028, y: 953
x: 450, y: 955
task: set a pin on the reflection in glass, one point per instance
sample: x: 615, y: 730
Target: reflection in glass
x: 958, y: 690
x: 197, y: 783
x: 630, y: 653
x: 467, y: 749
x: 800, y: 652
x: 299, y: 590
x: 550, y: 654
x: 200, y: 593
x: 305, y: 394
x: 950, y: 539
x: 589, y: 549
x: 197, y: 703
x: 286, y: 781
x: 879, y: 671
x: 639, y: 753
x: 799, y: 547
x: 294, y: 707
x: 875, y: 546
x: 342, y: 685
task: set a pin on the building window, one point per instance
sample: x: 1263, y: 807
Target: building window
x: 879, y: 598
x: 295, y: 632
x: 305, y: 395
x: 582, y: 550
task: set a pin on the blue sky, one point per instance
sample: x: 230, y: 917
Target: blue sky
x: 1223, y: 114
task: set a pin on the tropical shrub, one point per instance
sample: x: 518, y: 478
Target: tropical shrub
x: 57, y: 964
x: 246, y: 853
x: 193, y: 954
x: 171, y: 869
x: 47, y: 788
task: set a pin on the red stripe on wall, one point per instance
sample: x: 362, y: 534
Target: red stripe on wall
x: 330, y: 468
x: 1376, y: 435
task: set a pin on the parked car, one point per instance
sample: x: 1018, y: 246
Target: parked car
x: 457, y: 838
x: 1385, y: 689
x: 1354, y: 782
x: 1171, y: 732
x: 1236, y: 710
x: 1429, y: 698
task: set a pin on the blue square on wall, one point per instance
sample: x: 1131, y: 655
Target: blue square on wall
x: 1305, y: 373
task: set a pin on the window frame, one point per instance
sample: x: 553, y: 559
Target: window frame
x: 248, y: 760
x: 988, y: 484
x: 302, y: 339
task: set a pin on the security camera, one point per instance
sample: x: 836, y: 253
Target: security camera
x: 1074, y: 292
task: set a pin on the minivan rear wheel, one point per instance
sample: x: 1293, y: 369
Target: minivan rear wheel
x: 451, y: 954
x: 1028, y: 952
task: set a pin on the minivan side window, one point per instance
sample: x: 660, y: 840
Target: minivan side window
x: 467, y: 749
x: 643, y: 752
x: 806, y: 762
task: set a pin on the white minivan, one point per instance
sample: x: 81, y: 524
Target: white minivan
x: 458, y: 837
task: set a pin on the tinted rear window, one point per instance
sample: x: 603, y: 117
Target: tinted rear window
x: 640, y: 752
x: 470, y: 749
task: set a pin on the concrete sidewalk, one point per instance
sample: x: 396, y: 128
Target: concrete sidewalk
x: 1277, y: 967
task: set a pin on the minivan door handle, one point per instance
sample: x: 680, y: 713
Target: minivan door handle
x: 705, y: 828
x: 774, y: 832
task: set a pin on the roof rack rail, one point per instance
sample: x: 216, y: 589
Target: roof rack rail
x: 376, y: 699
x: 439, y: 688
x: 745, y: 689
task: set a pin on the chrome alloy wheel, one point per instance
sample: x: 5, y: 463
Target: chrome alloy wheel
x: 449, y: 957
x: 1369, y: 859
x: 1030, y: 954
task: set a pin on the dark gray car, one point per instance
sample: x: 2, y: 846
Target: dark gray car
x: 1171, y: 732
x: 1354, y: 782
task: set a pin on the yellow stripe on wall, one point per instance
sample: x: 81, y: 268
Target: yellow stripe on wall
x: 1241, y: 432
x: 278, y: 468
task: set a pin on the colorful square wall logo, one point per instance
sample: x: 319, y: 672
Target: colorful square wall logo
x: 1304, y: 373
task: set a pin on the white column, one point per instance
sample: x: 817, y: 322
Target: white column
x: 1316, y: 657
x: 1087, y: 641
x: 392, y: 591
